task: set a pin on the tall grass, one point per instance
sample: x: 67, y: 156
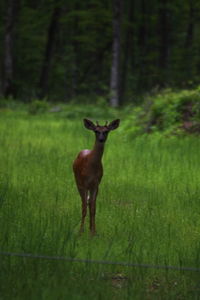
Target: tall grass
x: 147, y: 212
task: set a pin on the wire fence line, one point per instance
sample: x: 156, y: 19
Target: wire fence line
x: 103, y: 262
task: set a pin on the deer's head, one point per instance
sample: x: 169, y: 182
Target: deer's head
x: 101, y: 132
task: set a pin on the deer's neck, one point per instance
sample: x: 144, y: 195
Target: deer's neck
x: 97, y: 152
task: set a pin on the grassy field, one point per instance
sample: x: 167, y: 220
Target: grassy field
x: 148, y: 211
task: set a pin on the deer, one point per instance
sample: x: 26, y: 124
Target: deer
x: 88, y: 170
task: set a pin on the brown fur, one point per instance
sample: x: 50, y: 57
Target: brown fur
x: 88, y: 170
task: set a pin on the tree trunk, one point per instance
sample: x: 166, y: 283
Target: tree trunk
x: 114, y: 80
x: 76, y: 56
x: 142, y: 38
x: 49, y: 51
x: 8, y: 72
x: 164, y: 39
x: 128, y: 51
x: 190, y: 28
x: 188, y: 62
x: 142, y: 47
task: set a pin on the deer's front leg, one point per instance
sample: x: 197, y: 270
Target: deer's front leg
x: 92, y: 206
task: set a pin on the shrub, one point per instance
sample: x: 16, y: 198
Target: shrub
x: 38, y: 106
x: 168, y: 112
x: 173, y: 111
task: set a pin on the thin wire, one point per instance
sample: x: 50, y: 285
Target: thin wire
x: 104, y: 262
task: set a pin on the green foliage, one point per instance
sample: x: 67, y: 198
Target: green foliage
x: 38, y: 106
x: 175, y: 111
x: 100, y: 110
x: 11, y: 104
x: 168, y: 112
x: 152, y: 55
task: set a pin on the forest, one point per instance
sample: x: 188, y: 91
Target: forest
x: 66, y: 50
x: 62, y: 62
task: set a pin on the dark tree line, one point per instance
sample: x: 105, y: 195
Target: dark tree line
x: 68, y: 49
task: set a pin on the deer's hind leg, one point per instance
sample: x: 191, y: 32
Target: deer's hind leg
x: 84, y: 197
x: 92, y: 207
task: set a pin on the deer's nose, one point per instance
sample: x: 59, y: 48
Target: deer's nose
x: 101, y: 138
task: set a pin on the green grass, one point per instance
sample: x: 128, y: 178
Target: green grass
x: 148, y: 212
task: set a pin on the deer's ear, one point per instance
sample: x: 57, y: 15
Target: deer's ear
x: 89, y: 124
x: 114, y: 124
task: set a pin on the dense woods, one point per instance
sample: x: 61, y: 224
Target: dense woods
x: 61, y: 50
